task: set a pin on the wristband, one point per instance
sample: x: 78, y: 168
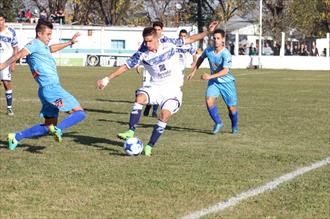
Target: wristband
x: 105, y: 81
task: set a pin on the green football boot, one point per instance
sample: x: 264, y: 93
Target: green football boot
x: 147, y: 150
x: 56, y: 132
x: 126, y: 135
x: 12, y: 142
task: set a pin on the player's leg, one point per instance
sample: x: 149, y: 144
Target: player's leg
x: 147, y: 110
x: 49, y: 112
x: 5, y: 76
x: 169, y: 107
x: 65, y: 102
x: 154, y: 110
x: 229, y: 95
x: 211, y: 94
x: 140, y: 99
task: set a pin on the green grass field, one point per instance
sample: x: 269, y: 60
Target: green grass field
x: 284, y: 125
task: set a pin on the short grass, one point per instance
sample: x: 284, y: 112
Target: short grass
x: 284, y: 125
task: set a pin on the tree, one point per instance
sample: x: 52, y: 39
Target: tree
x: 10, y: 8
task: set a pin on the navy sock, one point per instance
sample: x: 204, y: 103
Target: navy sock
x: 9, y: 98
x: 214, y: 113
x: 159, y: 128
x: 72, y: 119
x: 154, y: 108
x: 135, y: 115
x: 234, y: 118
x: 36, y: 130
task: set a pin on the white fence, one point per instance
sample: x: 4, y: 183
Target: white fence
x: 96, y: 48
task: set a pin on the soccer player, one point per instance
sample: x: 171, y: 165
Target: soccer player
x: 159, y: 57
x: 8, y: 47
x: 52, y: 96
x: 221, y: 81
x: 158, y: 26
x: 185, y: 49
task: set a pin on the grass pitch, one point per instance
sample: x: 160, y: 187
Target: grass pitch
x: 283, y: 121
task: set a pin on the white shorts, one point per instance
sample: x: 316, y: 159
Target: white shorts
x: 5, y: 74
x: 167, y: 98
x: 146, y: 79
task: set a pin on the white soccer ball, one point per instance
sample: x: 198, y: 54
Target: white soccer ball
x: 133, y: 146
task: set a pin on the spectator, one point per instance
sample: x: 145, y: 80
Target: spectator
x: 268, y: 50
x: 28, y: 15
x: 60, y: 17
x: 324, y: 53
x: 276, y: 49
x: 287, y: 50
x: 295, y: 50
x: 43, y: 15
x: 303, y: 50
x: 253, y: 58
x: 314, y: 50
x: 232, y: 48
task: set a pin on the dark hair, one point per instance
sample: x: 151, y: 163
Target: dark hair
x: 148, y: 31
x: 158, y: 24
x: 42, y: 25
x: 220, y: 31
x: 3, y: 15
x: 183, y: 31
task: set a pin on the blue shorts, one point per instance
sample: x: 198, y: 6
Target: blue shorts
x: 226, y: 90
x: 54, y: 99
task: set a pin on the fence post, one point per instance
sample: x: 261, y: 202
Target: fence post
x: 236, y: 43
x: 282, y: 44
x: 328, y: 46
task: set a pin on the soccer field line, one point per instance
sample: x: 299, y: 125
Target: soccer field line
x: 256, y: 191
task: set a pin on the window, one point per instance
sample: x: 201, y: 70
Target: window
x: 117, y: 44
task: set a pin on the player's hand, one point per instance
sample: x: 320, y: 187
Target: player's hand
x: 190, y: 76
x: 212, y: 26
x: 74, y: 38
x: 206, y: 77
x: 101, y: 84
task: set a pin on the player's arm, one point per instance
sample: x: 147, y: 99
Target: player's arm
x: 13, y: 65
x: 56, y: 47
x: 221, y: 73
x: 22, y: 53
x: 198, y: 63
x: 200, y: 36
x: 101, y: 84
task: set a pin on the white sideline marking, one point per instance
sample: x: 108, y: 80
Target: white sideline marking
x: 256, y: 191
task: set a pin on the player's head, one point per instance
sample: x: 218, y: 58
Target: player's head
x: 183, y: 33
x: 44, y: 31
x: 2, y: 20
x: 158, y: 26
x: 150, y: 38
x: 218, y: 37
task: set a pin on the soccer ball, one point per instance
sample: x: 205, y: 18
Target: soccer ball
x: 133, y: 146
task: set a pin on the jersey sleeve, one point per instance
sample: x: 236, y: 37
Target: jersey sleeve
x: 179, y: 42
x: 227, y: 60
x: 31, y: 47
x: 14, y: 42
x: 134, y: 60
x: 204, y: 54
x: 192, y: 50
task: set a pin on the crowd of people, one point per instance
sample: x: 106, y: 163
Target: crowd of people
x: 296, y: 49
x: 28, y: 16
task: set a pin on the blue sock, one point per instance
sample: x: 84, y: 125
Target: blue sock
x: 154, y: 108
x: 36, y: 130
x: 159, y: 128
x: 135, y: 115
x: 72, y: 119
x: 234, y: 118
x: 214, y: 113
x: 9, y: 98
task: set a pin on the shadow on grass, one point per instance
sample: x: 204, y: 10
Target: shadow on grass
x: 29, y: 148
x: 102, y: 111
x: 168, y: 127
x: 114, y: 101
x: 97, y: 143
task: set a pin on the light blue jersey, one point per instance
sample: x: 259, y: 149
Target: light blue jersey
x: 221, y: 86
x: 218, y: 62
x: 42, y: 63
x: 43, y: 67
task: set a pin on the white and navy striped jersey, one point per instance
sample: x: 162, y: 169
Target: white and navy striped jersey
x: 163, y: 66
x: 8, y: 41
